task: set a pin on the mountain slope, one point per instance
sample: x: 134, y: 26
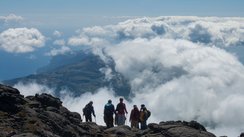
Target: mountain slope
x: 77, y: 72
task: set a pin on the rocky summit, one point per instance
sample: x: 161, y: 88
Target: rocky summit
x: 43, y: 115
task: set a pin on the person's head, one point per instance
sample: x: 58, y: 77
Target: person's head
x: 110, y: 101
x: 134, y: 106
x: 121, y: 99
x: 90, y: 102
x: 142, y: 106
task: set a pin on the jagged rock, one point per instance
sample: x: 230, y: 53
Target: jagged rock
x: 48, y: 100
x: 120, y: 131
x: 43, y: 115
x: 10, y: 99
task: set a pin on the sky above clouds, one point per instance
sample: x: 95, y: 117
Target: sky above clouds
x: 188, y: 53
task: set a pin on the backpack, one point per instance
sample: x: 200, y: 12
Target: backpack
x: 85, y: 110
x: 109, y: 109
x: 148, y: 114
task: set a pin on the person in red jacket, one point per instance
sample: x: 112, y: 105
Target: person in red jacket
x: 134, y: 117
x: 120, y: 113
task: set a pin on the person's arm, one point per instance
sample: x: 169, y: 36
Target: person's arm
x: 125, y: 109
x: 113, y: 109
x: 93, y: 112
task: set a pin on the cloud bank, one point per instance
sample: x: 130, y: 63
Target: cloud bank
x: 21, y: 40
x: 221, y: 32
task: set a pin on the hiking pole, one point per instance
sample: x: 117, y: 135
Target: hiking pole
x: 125, y: 119
x: 95, y: 119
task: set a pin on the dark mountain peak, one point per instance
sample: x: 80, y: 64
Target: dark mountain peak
x: 77, y: 72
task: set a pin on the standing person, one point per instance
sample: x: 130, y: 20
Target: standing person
x: 120, y: 112
x: 144, y: 115
x: 88, y: 111
x: 108, y: 114
x: 134, y: 117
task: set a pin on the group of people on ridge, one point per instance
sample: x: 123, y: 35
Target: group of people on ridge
x: 136, y: 116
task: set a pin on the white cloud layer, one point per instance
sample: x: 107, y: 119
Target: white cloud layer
x: 222, y: 32
x: 59, y: 51
x: 11, y: 18
x: 33, y: 88
x: 57, y: 33
x: 21, y: 40
x: 59, y: 42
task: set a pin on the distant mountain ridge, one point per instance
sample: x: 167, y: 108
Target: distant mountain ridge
x: 79, y: 72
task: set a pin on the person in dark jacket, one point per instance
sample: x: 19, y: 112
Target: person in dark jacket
x: 109, y: 111
x: 88, y: 111
x: 120, y: 112
x: 144, y: 114
x: 134, y: 117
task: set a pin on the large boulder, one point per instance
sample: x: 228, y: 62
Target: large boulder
x: 48, y: 100
x: 10, y: 99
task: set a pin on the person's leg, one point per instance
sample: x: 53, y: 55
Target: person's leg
x: 137, y: 124
x: 89, y: 118
x: 131, y: 124
x: 120, y: 120
x: 110, y: 121
x: 144, y: 125
x: 106, y: 120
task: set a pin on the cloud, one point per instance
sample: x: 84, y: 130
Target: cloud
x: 86, y: 41
x: 187, y: 80
x: 21, y: 40
x: 57, y: 33
x: 33, y: 88
x: 11, y: 18
x: 59, y: 51
x: 59, y: 42
x: 221, y: 32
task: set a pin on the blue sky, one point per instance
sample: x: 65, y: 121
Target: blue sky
x: 68, y: 16
x: 123, y: 7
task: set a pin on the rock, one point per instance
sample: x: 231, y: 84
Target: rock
x: 120, y: 131
x: 48, y: 100
x: 184, y: 129
x: 43, y: 115
x: 25, y: 135
x: 10, y: 99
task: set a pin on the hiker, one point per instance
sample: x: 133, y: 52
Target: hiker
x: 108, y: 114
x: 120, y: 113
x: 134, y: 117
x: 88, y: 111
x: 144, y: 115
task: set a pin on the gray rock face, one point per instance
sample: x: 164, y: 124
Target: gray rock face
x: 43, y: 115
